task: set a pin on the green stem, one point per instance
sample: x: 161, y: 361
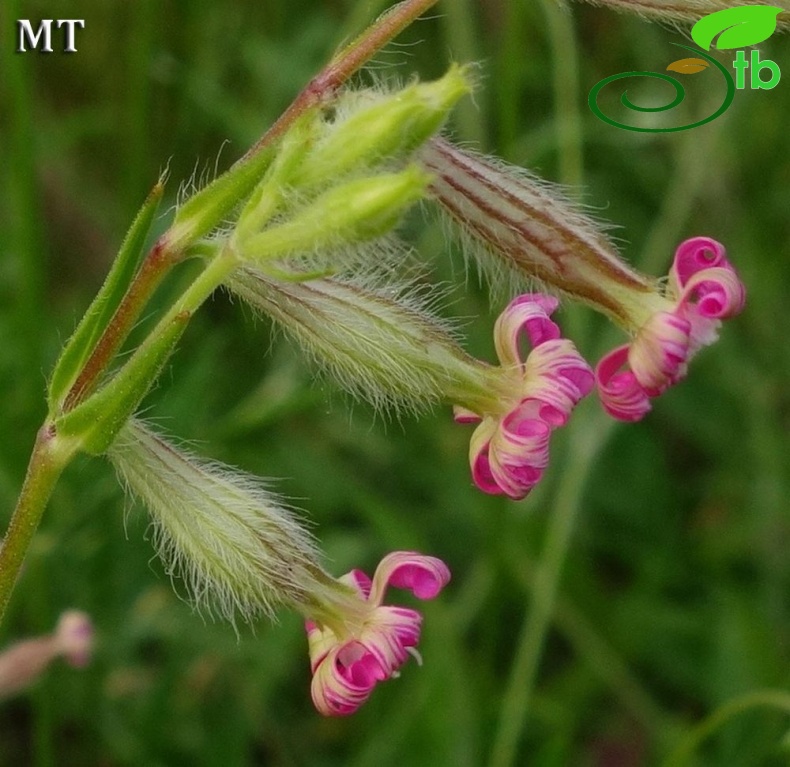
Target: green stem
x: 592, y: 647
x: 50, y: 456
x: 212, y: 276
x: 51, y: 453
x: 97, y: 421
x: 586, y: 439
x: 778, y: 699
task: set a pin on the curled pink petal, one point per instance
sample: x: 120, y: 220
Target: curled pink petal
x: 694, y: 255
x: 377, y: 639
x: 705, y: 289
x: 528, y: 314
x: 340, y: 687
x: 482, y: 475
x: 621, y: 395
x: 520, y: 454
x: 715, y: 293
x: 509, y: 450
x: 560, y: 376
x: 658, y: 355
x: 424, y: 576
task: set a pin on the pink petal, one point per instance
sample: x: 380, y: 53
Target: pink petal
x: 716, y: 293
x: 557, y: 375
x: 659, y: 353
x: 694, y: 255
x: 526, y: 314
x: 338, y: 692
x: 621, y: 395
x: 424, y: 576
x: 482, y: 475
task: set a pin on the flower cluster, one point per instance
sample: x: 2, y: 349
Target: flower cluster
x: 302, y: 229
x: 231, y: 539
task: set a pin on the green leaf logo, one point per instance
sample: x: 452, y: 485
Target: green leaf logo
x: 739, y: 27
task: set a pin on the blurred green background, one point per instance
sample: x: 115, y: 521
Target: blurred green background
x: 643, y: 585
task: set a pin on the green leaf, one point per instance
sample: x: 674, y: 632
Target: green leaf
x: 739, y: 27
x: 90, y: 327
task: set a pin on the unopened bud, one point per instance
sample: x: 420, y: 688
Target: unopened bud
x: 355, y: 211
x: 372, y: 126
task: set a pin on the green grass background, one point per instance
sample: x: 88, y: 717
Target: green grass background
x: 641, y: 587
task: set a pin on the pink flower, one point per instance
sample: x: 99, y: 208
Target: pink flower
x: 703, y: 289
x: 509, y: 450
x: 372, y: 644
x: 24, y: 662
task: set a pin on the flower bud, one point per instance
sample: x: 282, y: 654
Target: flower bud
x: 371, y: 127
x: 354, y: 211
x: 325, y: 185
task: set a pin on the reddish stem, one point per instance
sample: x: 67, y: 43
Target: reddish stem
x: 344, y: 64
x: 151, y: 273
